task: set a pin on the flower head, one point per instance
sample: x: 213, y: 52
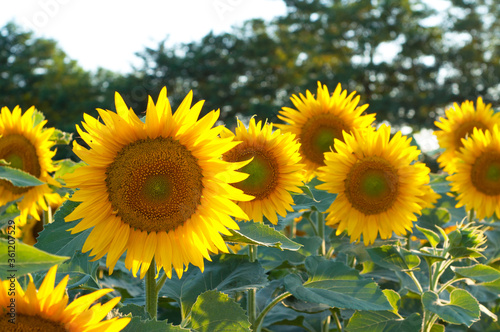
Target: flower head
x: 459, y: 123
x: 317, y: 122
x: 274, y: 169
x: 27, y: 147
x: 155, y: 189
x: 380, y: 187
x: 48, y: 310
x: 477, y: 175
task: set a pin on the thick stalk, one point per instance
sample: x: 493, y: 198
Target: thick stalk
x: 257, y: 326
x: 470, y: 216
x: 321, y: 233
x: 151, y: 293
x: 251, y: 294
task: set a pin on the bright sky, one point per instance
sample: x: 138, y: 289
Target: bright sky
x: 107, y: 33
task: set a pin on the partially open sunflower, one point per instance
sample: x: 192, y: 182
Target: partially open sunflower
x: 317, y: 122
x: 155, y: 189
x: 47, y: 308
x: 273, y: 172
x: 379, y: 186
x: 477, y: 175
x: 27, y: 147
x: 459, y: 123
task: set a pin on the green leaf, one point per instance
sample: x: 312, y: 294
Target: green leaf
x: 432, y: 237
x: 393, y: 258
x: 19, y: 258
x: 335, y: 284
x: 56, y: 237
x: 60, y: 137
x: 137, y: 324
x: 228, y: 273
x: 437, y: 328
x: 67, y: 166
x: 439, y: 183
x: 18, y: 177
x: 462, y: 308
x: 383, y: 321
x: 321, y: 199
x: 215, y: 311
x: 394, y: 298
x: 478, y: 272
x: 260, y: 234
x: 135, y: 310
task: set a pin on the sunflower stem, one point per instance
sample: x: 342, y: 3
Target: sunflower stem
x: 47, y: 215
x: 251, y: 295
x: 470, y: 216
x: 160, y: 283
x: 321, y: 233
x: 337, y: 320
x: 151, y: 293
x: 257, y: 325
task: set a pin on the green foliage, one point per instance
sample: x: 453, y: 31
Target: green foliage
x: 19, y: 258
x: 462, y: 308
x: 214, y: 311
x: 18, y: 177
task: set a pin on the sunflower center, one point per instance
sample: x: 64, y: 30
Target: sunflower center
x: 154, y: 184
x: 26, y: 323
x: 262, y: 171
x: 371, y: 185
x: 465, y: 130
x: 485, y: 173
x: 318, y: 135
x: 21, y: 154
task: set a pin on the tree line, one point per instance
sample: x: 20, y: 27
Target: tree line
x: 407, y: 60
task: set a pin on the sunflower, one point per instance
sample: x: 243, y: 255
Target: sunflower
x: 380, y: 187
x: 47, y: 309
x: 273, y: 171
x: 477, y: 176
x: 27, y: 147
x: 317, y: 122
x: 155, y: 189
x: 459, y: 123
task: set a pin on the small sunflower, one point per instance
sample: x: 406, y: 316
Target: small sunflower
x: 27, y: 147
x: 459, y: 123
x: 155, y: 189
x: 380, y: 187
x: 477, y: 176
x: 47, y: 309
x: 273, y: 172
x: 317, y: 122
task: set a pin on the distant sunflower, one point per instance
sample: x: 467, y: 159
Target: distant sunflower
x: 459, y: 123
x: 47, y: 309
x: 273, y: 171
x: 27, y: 147
x: 317, y: 122
x: 477, y: 176
x: 155, y: 189
x: 379, y: 187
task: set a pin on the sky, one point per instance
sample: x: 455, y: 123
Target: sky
x: 107, y: 33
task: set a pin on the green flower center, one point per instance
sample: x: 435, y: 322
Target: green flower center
x: 156, y: 187
x: 154, y: 184
x: 371, y: 186
x: 318, y: 135
x: 485, y: 173
x: 262, y: 170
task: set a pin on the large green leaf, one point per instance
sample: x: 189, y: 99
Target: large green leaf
x: 462, y: 308
x: 478, y: 272
x: 215, y: 311
x: 56, y: 237
x: 337, y: 285
x: 383, y: 321
x: 320, y: 199
x: 229, y: 274
x: 432, y: 237
x: 260, y: 234
x: 19, y: 258
x: 18, y: 177
x: 393, y: 258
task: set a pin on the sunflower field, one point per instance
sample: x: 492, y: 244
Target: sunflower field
x: 326, y: 221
